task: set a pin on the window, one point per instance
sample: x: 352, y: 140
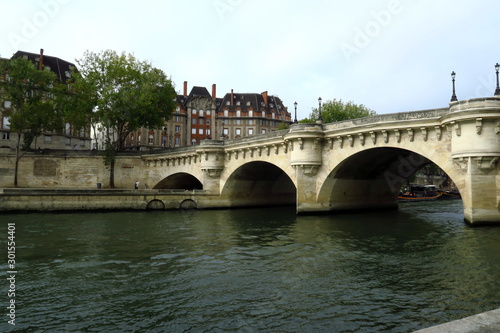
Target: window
x: 263, y: 131
x: 238, y: 113
x: 250, y: 113
x: 177, y: 141
x: 208, y: 112
x: 238, y: 121
x: 226, y: 113
x: 208, y: 131
x: 200, y: 131
x: 250, y: 131
x: 6, y: 122
x: 193, y: 121
x: 68, y: 129
x: 238, y: 131
x: 226, y: 131
x: 139, y: 139
x: 201, y: 113
x: 250, y: 121
x: 208, y: 121
x: 193, y: 111
x: 177, y: 110
x: 193, y: 130
x: 150, y: 139
x: 178, y: 119
x: 5, y: 135
x: 201, y: 122
x: 177, y: 129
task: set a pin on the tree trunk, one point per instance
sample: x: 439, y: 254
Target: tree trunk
x: 112, y: 173
x: 18, y: 157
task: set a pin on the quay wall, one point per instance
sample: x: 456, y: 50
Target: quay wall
x: 69, y: 169
x: 25, y: 200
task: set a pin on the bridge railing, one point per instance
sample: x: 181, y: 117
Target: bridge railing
x: 389, y: 117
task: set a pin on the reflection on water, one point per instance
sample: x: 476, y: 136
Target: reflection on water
x: 253, y: 270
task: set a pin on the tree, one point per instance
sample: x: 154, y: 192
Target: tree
x: 32, y: 109
x: 336, y: 110
x: 124, y: 94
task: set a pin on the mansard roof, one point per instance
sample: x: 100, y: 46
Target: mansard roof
x: 253, y: 101
x: 62, y: 68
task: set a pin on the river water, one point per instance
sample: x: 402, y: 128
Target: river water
x: 250, y: 270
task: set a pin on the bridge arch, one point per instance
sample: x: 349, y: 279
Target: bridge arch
x: 259, y: 183
x: 372, y: 178
x: 180, y: 180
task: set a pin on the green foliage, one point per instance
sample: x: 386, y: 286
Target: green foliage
x: 337, y: 110
x: 120, y: 94
x: 30, y: 92
x: 283, y: 126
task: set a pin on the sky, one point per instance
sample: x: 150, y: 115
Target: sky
x: 389, y: 55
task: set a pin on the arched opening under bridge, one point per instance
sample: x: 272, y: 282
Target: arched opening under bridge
x: 372, y: 179
x: 259, y: 184
x: 180, y: 181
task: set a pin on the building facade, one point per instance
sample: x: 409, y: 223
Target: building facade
x: 68, y: 137
x: 201, y: 115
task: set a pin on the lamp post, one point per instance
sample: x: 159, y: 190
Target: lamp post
x: 497, y: 90
x: 295, y: 104
x: 320, y: 118
x: 453, y: 96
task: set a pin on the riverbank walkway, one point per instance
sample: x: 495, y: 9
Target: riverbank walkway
x: 486, y: 322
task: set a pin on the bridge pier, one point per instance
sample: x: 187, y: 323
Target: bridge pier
x: 475, y: 150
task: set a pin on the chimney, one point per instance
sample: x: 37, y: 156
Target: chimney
x: 185, y: 88
x: 232, y: 97
x: 264, y: 94
x: 40, y: 63
x: 214, y: 95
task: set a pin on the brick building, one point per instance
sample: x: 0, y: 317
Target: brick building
x: 201, y: 115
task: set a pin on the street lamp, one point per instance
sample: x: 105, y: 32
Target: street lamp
x: 497, y: 90
x: 320, y: 118
x: 453, y: 96
x: 295, y: 120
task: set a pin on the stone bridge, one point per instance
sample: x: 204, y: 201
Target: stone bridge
x: 354, y: 164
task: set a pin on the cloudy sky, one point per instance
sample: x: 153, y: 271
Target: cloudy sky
x: 390, y: 55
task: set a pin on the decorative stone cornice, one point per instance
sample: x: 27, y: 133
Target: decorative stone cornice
x: 306, y: 169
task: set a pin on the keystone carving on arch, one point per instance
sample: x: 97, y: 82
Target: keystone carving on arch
x: 316, y: 143
x: 424, y: 133
x: 330, y: 143
x: 385, y: 135
x: 486, y: 164
x: 398, y: 135
x: 341, y: 141
x: 411, y: 135
x: 351, y: 140
x: 285, y: 147
x: 439, y: 133
x: 479, y: 125
x: 361, y: 138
